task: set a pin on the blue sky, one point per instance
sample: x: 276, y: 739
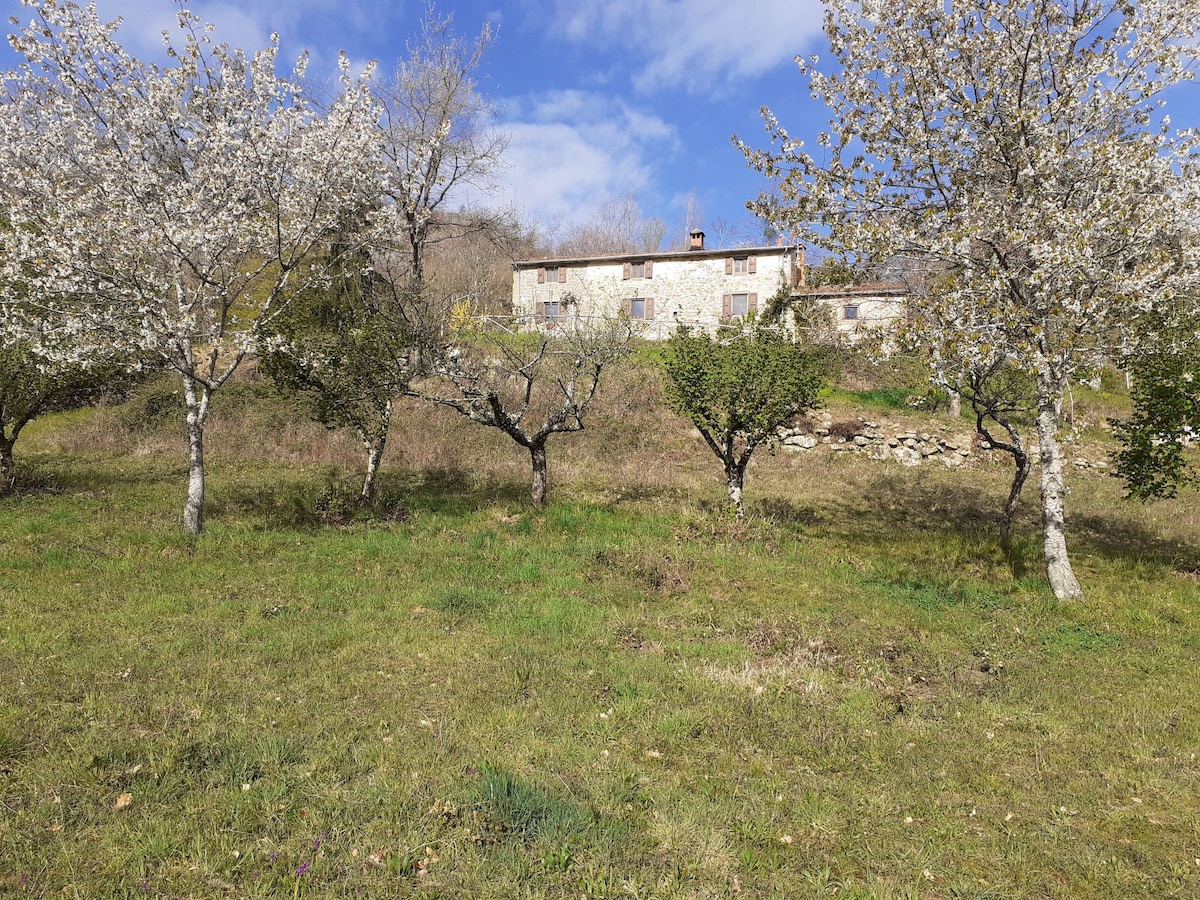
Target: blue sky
x: 599, y: 97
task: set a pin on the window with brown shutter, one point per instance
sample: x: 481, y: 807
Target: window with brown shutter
x: 729, y: 265
x: 552, y: 274
x: 541, y: 274
x: 649, y: 271
x: 738, y: 304
x: 628, y: 271
x: 752, y: 264
x: 562, y: 274
x: 539, y: 312
x: 640, y: 308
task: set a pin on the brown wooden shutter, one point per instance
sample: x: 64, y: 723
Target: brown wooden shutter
x: 562, y: 274
x: 752, y: 264
x: 541, y: 274
x: 649, y: 307
x: 751, y: 301
x: 628, y: 271
x: 727, y: 302
x: 627, y: 305
x: 649, y: 268
x: 539, y: 312
x: 728, y: 266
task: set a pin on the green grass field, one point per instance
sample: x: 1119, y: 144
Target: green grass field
x: 852, y: 694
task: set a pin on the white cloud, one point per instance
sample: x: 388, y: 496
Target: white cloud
x: 692, y: 43
x: 572, y: 150
x: 249, y: 23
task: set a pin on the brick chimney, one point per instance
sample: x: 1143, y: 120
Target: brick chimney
x: 695, y: 239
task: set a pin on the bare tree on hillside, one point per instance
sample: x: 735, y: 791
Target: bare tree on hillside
x: 438, y: 143
x: 617, y: 227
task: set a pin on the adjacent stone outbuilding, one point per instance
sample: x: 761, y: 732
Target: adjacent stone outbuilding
x: 854, y: 307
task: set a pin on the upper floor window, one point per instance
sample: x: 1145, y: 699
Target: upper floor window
x: 741, y: 265
x: 642, y: 268
x: 850, y: 311
x: 550, y: 274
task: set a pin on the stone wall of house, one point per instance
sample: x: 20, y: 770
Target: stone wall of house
x: 872, y: 311
x: 685, y: 289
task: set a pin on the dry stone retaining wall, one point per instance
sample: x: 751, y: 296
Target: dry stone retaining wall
x: 902, y: 444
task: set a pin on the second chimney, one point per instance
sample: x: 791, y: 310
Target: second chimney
x: 695, y: 239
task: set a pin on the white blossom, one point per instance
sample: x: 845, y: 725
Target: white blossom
x: 171, y: 209
x: 1017, y: 160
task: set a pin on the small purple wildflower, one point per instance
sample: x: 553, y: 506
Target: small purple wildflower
x: 302, y: 868
x: 24, y: 879
x: 320, y: 840
x: 145, y: 885
x: 274, y: 855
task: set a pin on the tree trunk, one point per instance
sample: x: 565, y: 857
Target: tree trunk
x: 537, y: 453
x: 197, y: 397
x: 375, y: 447
x: 1022, y: 464
x: 735, y: 477
x: 8, y: 467
x: 1058, y: 564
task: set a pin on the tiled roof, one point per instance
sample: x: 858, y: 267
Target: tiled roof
x: 674, y: 254
x: 872, y: 289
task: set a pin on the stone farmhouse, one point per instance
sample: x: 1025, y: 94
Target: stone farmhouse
x: 697, y: 287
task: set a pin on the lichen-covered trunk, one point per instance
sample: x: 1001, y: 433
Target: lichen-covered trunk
x: 196, y: 397
x: 8, y: 467
x: 537, y: 454
x: 375, y: 446
x: 1054, y: 532
x: 955, y: 407
x: 735, y: 478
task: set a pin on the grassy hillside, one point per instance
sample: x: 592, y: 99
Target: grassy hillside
x: 852, y: 694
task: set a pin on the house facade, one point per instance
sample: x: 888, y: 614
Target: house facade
x: 695, y: 287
